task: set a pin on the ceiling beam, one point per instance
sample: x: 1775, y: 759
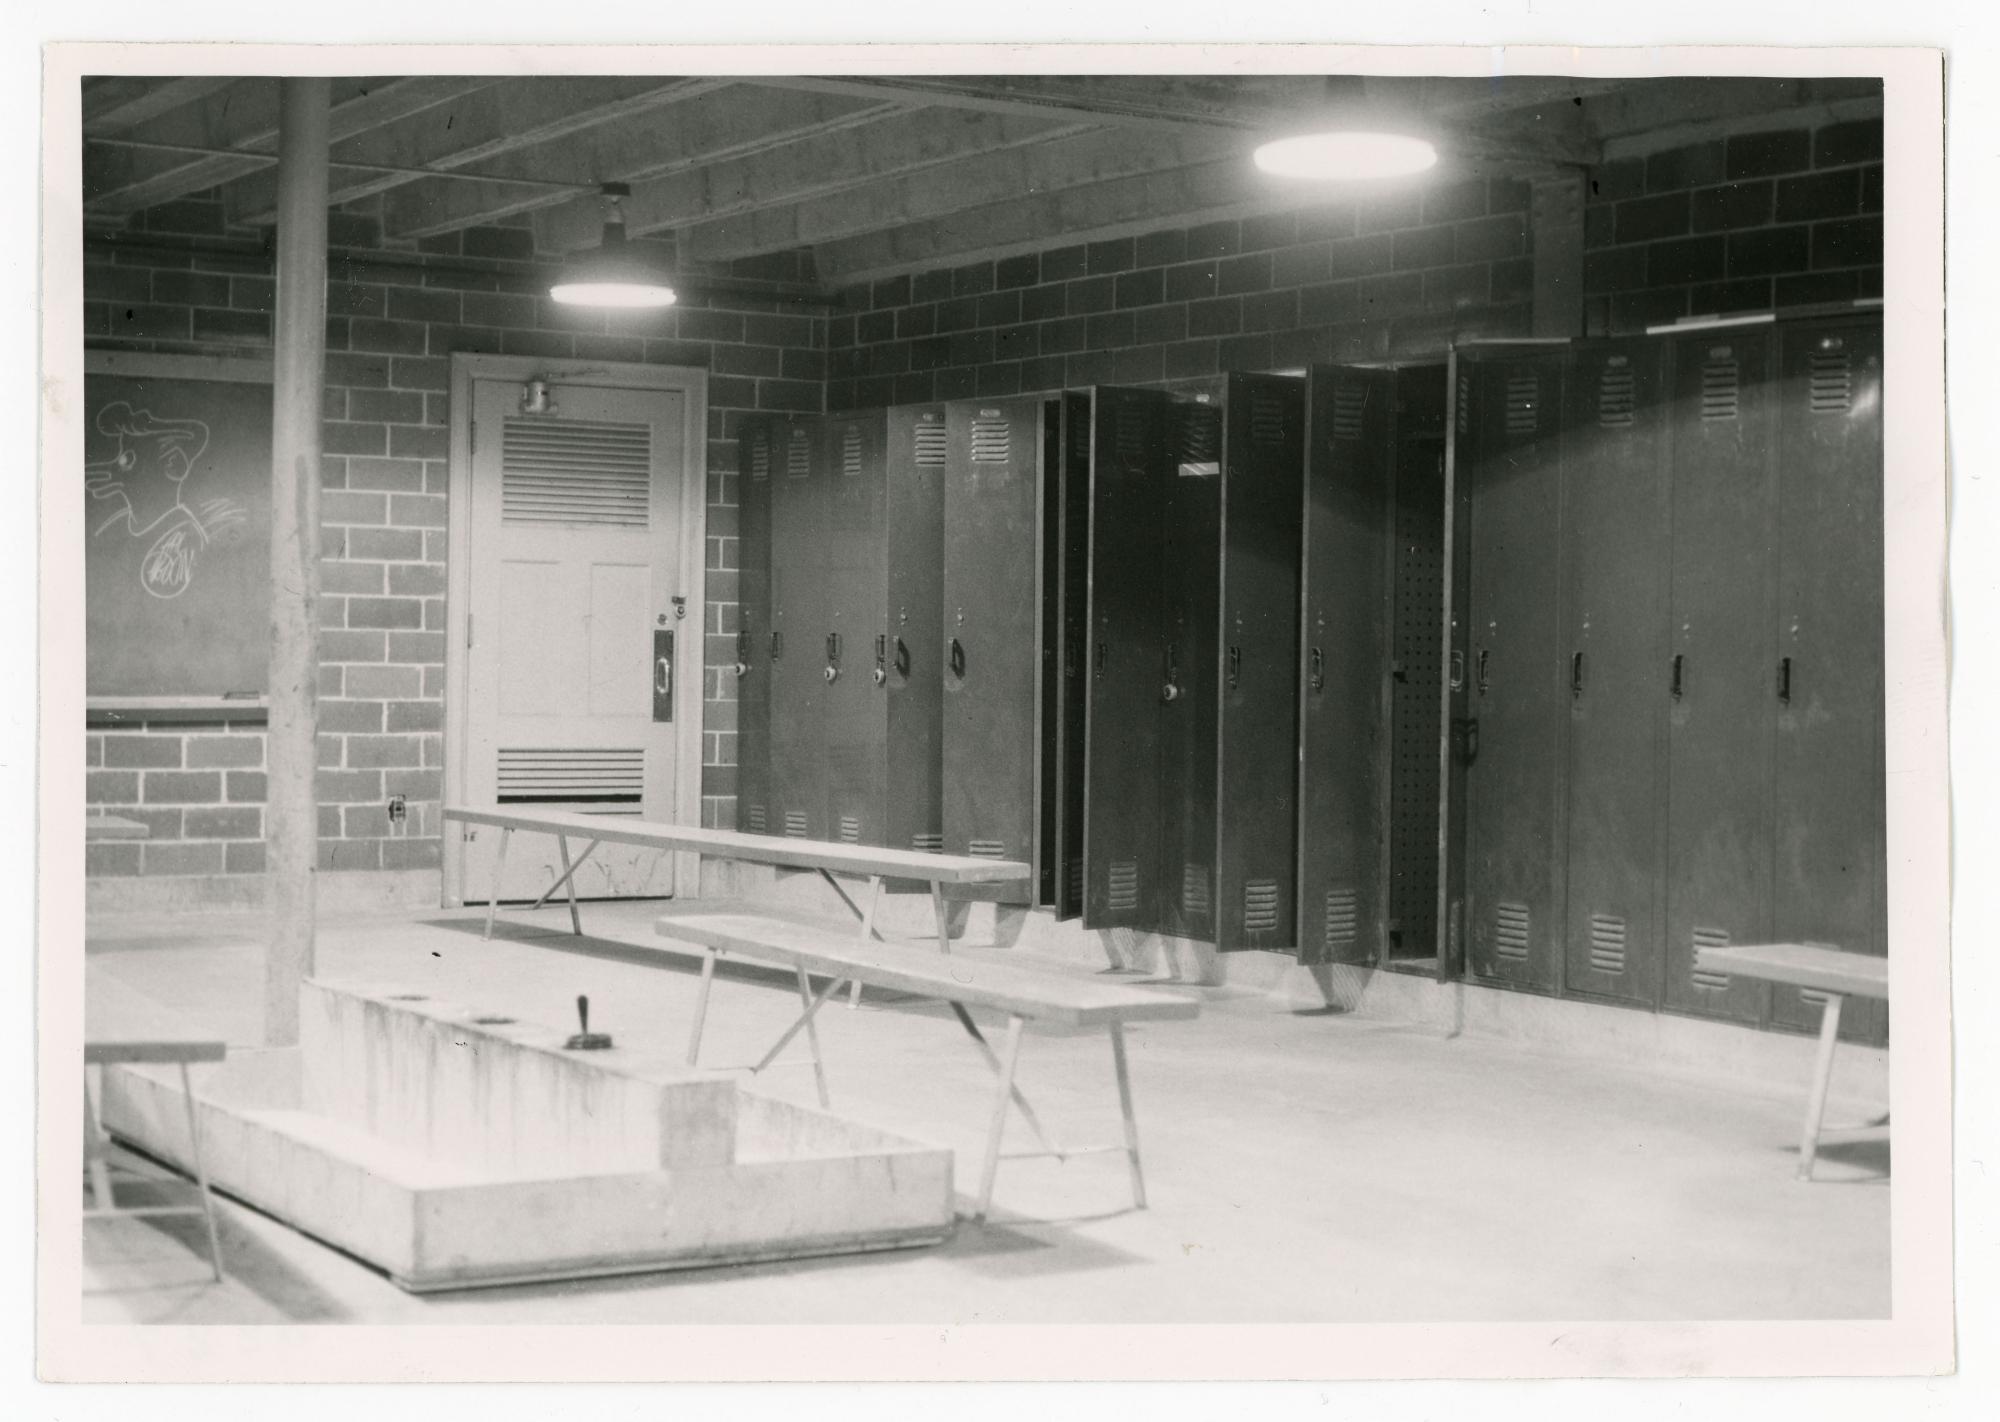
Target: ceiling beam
x: 115, y: 102
x: 1014, y: 174
x: 120, y: 180
x: 729, y: 123
x: 1647, y: 117
x: 949, y: 147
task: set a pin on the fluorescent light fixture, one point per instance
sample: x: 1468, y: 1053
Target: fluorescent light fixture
x: 1346, y: 155
x: 613, y: 275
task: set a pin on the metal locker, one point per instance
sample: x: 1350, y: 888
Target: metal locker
x: 992, y: 629
x: 1829, y: 780
x: 1459, y: 733
x: 1614, y: 564
x: 755, y: 445
x: 1512, y: 460
x: 1717, y: 679
x: 906, y: 659
x: 1071, y: 585
x: 1129, y: 480
x: 853, y: 710
x: 1188, y: 571
x: 1343, y: 663
x: 1049, y: 604
x: 796, y: 642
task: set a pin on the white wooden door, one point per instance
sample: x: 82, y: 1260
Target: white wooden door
x: 574, y: 568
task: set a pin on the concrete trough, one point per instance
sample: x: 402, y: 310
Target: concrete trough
x: 453, y: 1153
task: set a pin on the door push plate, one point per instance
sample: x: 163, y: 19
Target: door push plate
x: 663, y: 674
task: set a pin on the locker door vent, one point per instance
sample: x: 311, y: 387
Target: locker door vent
x: 753, y: 819
x: 850, y: 452
x: 1349, y: 403
x: 1076, y: 878
x: 1719, y: 388
x: 1267, y: 418
x: 575, y: 471
x: 1510, y: 932
x: 1832, y: 383
x: 1707, y: 978
x: 760, y: 456
x: 1464, y: 402
x: 1812, y: 997
x: 1615, y: 397
x: 1607, y: 943
x: 930, y: 445
x: 1200, y: 437
x: 927, y: 842
x: 1342, y: 920
x: 597, y: 782
x: 991, y: 439
x: 795, y: 823
x: 850, y: 830
x: 1524, y: 404
x: 1124, y: 885
x: 987, y: 848
x: 1260, y: 905
x: 1129, y: 437
x: 798, y: 453
x: 1194, y: 889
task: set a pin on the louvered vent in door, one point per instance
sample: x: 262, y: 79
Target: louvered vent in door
x: 798, y: 453
x: 596, y: 472
x: 850, y: 830
x: 1615, y: 400
x: 987, y: 848
x: 930, y: 442
x: 760, y: 455
x: 1200, y: 438
x: 1194, y: 889
x: 1832, y: 390
x: 1124, y: 885
x: 927, y: 842
x: 1812, y: 997
x: 1349, y: 403
x: 1510, y: 932
x: 1524, y: 404
x: 597, y: 782
x: 1342, y: 921
x: 795, y: 824
x: 1607, y: 943
x: 1260, y: 905
x: 990, y: 439
x: 754, y: 819
x: 1076, y: 878
x: 850, y: 452
x: 1129, y: 437
x: 1709, y: 979
x: 1267, y: 418
x: 1720, y: 387
x: 1464, y: 402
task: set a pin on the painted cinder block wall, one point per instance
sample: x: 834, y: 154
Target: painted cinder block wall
x: 391, y: 329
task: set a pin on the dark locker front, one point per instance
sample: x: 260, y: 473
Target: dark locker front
x: 1512, y: 462
x: 992, y: 629
x: 906, y: 658
x: 753, y: 628
x: 1188, y: 571
x: 799, y: 627
x: 1071, y: 584
x: 1614, y: 522
x: 1129, y: 474
x: 1049, y: 693
x: 1830, y: 783
x: 854, y: 711
x: 1343, y: 657
x: 1718, y: 680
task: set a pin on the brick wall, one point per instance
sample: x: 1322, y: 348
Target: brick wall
x: 395, y: 316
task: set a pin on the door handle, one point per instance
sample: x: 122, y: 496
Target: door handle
x: 902, y: 658
x: 1479, y: 673
x: 1235, y: 667
x: 881, y: 658
x: 1680, y: 663
x: 1170, y: 690
x: 777, y: 645
x: 1785, y: 680
x: 1465, y: 738
x: 1100, y: 659
x: 833, y: 656
x: 1576, y: 677
x: 743, y: 653
x: 1457, y: 670
x: 1317, y: 676
x: 957, y: 658
x: 663, y: 674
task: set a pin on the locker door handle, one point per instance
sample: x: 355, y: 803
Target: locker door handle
x: 1100, y: 659
x: 902, y: 658
x: 1785, y: 680
x: 1457, y: 670
x: 833, y: 656
x: 743, y: 653
x: 1576, y: 677
x: 1317, y: 677
x: 1235, y: 667
x: 1069, y: 659
x: 1170, y: 689
x: 777, y: 645
x: 663, y: 674
x: 1465, y: 738
x: 1680, y: 663
x: 1479, y: 674
x: 881, y: 659
x: 957, y: 658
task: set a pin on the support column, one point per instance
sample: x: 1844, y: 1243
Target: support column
x: 291, y: 812
x: 1555, y: 214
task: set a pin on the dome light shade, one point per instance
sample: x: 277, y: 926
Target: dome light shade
x: 1346, y: 155
x: 613, y: 275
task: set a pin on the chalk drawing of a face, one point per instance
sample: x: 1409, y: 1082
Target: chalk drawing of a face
x: 144, y: 483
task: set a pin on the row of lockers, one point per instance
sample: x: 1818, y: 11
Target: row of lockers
x: 1666, y: 671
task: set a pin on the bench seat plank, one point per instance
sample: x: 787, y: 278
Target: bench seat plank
x: 1003, y: 987
x: 861, y: 859
x: 120, y: 1025
x: 1803, y: 965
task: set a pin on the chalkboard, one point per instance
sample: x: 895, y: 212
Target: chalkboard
x: 177, y: 524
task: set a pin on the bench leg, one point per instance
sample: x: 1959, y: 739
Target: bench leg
x: 1027, y: 1111
x: 943, y: 918
x: 867, y: 932
x: 1829, y: 1036
x: 93, y: 1150
x: 499, y: 872
x: 201, y: 1174
x: 701, y: 1005
x: 569, y: 882
x: 1125, y: 1106
x: 812, y: 1030
x: 1010, y: 1056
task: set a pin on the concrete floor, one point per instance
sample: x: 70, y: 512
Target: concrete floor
x: 1302, y: 1165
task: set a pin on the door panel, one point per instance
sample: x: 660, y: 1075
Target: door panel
x: 1072, y: 584
x: 1342, y: 665
x: 574, y: 552
x: 1717, y: 682
x: 853, y: 710
x: 1189, y: 568
x: 799, y: 571
x: 1615, y: 623
x: 753, y: 636
x: 911, y: 652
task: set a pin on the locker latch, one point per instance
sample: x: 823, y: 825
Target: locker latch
x: 1576, y: 677
x: 777, y: 645
x: 1479, y: 672
x: 1465, y: 739
x: 1171, y: 690
x: 833, y: 656
x: 1680, y: 665
x: 881, y: 658
x: 663, y: 674
x: 743, y: 652
x: 1235, y: 667
x: 956, y: 658
x: 1099, y: 669
x: 1785, y: 680
x: 1316, y: 676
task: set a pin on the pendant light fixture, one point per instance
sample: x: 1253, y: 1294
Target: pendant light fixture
x: 613, y: 275
x: 1354, y: 137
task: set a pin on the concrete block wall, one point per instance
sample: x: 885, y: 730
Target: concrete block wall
x: 395, y: 316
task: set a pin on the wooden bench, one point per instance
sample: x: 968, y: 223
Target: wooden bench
x: 1024, y: 994
x: 1829, y: 971
x: 119, y: 1025
x: 824, y: 856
